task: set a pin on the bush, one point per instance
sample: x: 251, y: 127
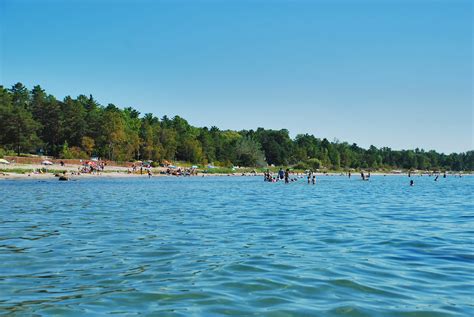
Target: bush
x: 313, y: 163
x: 77, y: 153
x: 218, y: 170
x: 72, y: 153
x: 226, y: 164
x: 301, y: 166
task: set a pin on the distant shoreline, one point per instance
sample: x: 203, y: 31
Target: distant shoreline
x: 20, y: 171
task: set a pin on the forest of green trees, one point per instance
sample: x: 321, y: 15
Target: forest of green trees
x: 32, y: 121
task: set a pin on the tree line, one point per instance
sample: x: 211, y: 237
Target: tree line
x: 33, y: 121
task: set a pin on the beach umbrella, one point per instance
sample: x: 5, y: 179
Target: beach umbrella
x: 46, y: 162
x: 2, y: 161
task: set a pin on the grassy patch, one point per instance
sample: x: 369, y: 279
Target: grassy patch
x: 16, y: 170
x: 218, y: 170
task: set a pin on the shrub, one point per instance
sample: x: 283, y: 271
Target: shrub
x: 77, y: 153
x: 72, y: 153
x: 301, y: 166
x: 313, y: 163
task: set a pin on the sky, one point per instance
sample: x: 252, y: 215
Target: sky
x: 393, y: 73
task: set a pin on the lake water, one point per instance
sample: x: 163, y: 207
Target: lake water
x: 220, y: 246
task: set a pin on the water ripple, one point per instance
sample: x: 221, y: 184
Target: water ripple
x: 236, y: 247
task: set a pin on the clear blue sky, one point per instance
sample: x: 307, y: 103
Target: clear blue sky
x: 392, y: 73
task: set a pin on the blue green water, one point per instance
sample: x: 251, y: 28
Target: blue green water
x: 221, y: 246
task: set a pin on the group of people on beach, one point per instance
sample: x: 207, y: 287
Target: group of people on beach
x: 181, y: 171
x: 89, y: 167
x: 141, y: 168
x: 171, y: 171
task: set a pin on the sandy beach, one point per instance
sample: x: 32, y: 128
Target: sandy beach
x: 19, y: 171
x: 10, y: 171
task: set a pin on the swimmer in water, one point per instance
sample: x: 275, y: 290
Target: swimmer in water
x: 412, y: 183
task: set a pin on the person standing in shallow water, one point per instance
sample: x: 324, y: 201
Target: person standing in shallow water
x: 412, y: 183
x: 281, y: 173
x: 287, y: 176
